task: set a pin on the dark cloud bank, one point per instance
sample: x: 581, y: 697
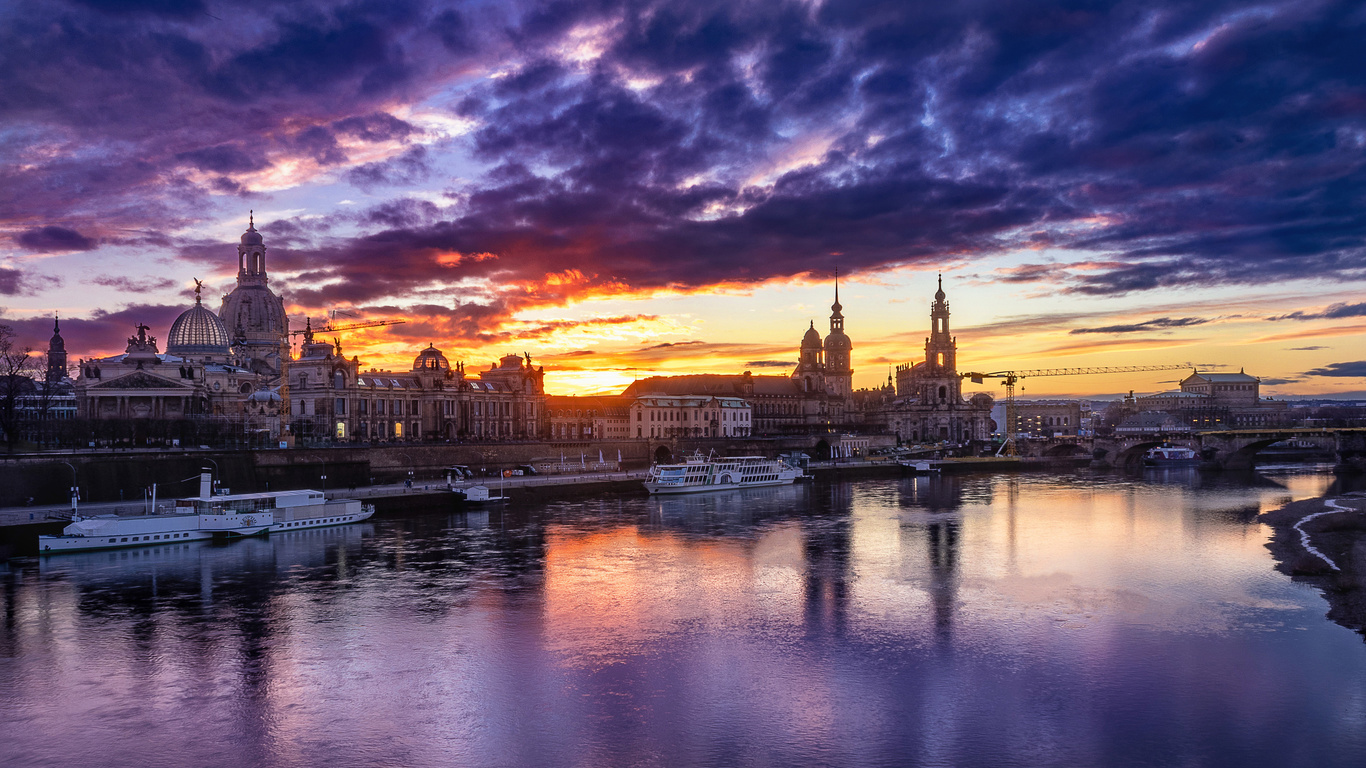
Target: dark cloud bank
x: 1184, y: 143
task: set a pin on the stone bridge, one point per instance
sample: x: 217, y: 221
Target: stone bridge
x: 1233, y: 448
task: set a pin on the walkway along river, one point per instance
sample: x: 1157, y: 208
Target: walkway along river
x: 1022, y: 619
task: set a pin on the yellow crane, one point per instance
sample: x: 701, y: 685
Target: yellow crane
x: 307, y: 331
x: 1011, y: 378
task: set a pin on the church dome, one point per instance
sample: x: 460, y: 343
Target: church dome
x: 431, y: 357
x: 254, y: 309
x: 838, y: 340
x: 197, y: 332
x: 251, y: 236
x: 812, y: 338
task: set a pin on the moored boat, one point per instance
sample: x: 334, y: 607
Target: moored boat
x: 700, y: 473
x: 208, y: 517
x: 1170, y: 456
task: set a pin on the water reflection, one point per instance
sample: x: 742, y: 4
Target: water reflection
x: 982, y: 619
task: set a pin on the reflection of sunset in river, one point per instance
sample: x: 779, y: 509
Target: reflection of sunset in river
x: 934, y: 620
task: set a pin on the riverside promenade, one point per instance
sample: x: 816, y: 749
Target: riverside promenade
x: 52, y: 513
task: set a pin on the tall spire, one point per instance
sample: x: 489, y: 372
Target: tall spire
x: 56, y: 324
x: 251, y: 219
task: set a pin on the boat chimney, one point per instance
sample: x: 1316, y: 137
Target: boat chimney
x: 205, y: 484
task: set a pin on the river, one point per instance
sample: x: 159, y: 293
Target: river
x: 992, y: 619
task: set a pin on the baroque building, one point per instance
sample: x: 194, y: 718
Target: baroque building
x: 252, y: 314
x: 817, y: 397
x: 228, y: 369
x: 929, y: 405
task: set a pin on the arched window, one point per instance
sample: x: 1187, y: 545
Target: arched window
x: 943, y: 393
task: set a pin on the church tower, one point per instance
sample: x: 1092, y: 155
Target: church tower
x: 941, y: 349
x: 56, y: 354
x: 810, y: 371
x: 252, y: 314
x: 940, y: 382
x: 839, y: 373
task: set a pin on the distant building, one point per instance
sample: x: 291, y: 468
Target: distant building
x: 1217, y: 401
x: 581, y: 419
x: 929, y: 405
x: 1047, y: 418
x: 1150, y: 423
x: 227, y: 370
x: 816, y: 398
x: 659, y: 416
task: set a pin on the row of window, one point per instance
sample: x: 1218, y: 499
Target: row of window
x: 669, y: 415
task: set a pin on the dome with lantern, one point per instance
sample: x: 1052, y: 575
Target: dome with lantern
x: 197, y: 332
x: 431, y: 358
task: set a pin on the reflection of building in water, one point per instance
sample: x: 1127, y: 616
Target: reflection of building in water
x: 940, y: 496
x: 825, y: 591
x: 933, y: 493
x: 942, y: 538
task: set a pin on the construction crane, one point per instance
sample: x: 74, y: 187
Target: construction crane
x: 1011, y: 378
x: 308, y: 332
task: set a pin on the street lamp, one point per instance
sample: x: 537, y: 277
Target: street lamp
x: 75, y: 491
x: 217, y: 472
x: 411, y: 467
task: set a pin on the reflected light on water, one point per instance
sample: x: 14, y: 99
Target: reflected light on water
x: 984, y: 619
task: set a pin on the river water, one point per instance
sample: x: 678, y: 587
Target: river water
x: 993, y: 620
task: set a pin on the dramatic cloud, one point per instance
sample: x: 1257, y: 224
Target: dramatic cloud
x: 770, y: 364
x: 1350, y: 370
x: 1146, y: 325
x: 54, y: 240
x: 1334, y: 311
x: 518, y: 156
x: 130, y: 285
x: 9, y: 281
x: 1306, y: 349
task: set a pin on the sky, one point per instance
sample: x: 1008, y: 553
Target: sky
x: 627, y: 189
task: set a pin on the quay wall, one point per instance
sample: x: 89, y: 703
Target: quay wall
x: 124, y: 475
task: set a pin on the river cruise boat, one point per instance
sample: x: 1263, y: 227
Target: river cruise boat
x: 1166, y: 456
x: 208, y: 517
x: 699, y: 473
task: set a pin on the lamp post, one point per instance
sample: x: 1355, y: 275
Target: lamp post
x: 75, y: 492
x: 411, y: 467
x: 217, y: 473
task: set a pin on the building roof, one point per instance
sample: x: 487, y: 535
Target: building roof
x: 1224, y: 378
x: 714, y: 384
x: 197, y: 331
x: 1174, y: 394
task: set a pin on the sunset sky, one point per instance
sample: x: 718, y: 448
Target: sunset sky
x: 631, y: 189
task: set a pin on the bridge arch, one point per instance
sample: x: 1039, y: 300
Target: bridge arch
x: 1064, y: 450
x: 663, y: 455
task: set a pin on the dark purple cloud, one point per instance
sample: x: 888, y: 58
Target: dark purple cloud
x: 1350, y: 370
x: 1146, y: 325
x: 101, y: 333
x: 54, y: 239
x: 9, y: 281
x: 1334, y: 311
x: 1180, y: 144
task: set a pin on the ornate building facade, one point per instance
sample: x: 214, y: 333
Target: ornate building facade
x: 929, y: 405
x: 229, y: 368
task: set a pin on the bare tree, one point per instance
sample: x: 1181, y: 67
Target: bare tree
x: 51, y: 387
x: 15, y: 362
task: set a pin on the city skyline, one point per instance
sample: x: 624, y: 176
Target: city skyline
x: 625, y: 193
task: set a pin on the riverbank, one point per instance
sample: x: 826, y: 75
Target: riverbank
x: 1323, y: 542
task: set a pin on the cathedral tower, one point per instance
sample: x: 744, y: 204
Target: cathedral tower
x: 839, y: 373
x: 56, y: 354
x: 941, y: 349
x: 252, y: 314
x: 939, y: 382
